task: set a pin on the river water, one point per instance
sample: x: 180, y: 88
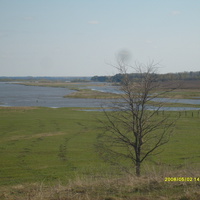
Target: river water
x: 19, y: 95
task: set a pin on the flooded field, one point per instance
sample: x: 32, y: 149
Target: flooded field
x: 20, y: 95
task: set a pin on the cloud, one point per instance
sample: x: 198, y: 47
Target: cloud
x: 176, y: 12
x: 94, y: 22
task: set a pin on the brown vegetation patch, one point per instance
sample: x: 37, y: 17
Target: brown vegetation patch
x: 91, y: 94
x: 182, y: 84
x: 23, y: 108
x: 108, y: 187
x: 39, y: 135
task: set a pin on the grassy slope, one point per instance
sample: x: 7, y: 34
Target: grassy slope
x: 47, y: 145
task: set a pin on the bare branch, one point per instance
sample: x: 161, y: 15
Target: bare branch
x: 132, y: 131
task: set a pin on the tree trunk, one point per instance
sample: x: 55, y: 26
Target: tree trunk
x: 138, y: 169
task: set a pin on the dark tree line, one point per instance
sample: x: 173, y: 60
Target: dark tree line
x: 160, y: 77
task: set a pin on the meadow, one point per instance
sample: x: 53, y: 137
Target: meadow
x: 47, y: 151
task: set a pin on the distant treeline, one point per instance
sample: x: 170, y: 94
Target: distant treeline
x: 116, y: 78
x: 160, y: 77
x: 44, y: 78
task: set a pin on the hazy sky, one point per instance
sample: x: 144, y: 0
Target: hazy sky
x: 80, y: 37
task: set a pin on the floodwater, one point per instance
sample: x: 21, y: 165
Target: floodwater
x: 19, y: 95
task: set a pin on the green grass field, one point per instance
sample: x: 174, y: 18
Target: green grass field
x: 50, y: 145
x: 46, y: 144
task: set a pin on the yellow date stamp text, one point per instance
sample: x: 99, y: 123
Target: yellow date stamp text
x: 182, y: 179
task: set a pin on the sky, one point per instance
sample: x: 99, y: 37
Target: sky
x: 85, y: 37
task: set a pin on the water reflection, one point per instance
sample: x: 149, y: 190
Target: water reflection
x: 151, y: 108
x: 184, y: 101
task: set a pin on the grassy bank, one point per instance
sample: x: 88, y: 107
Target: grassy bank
x: 44, y: 146
x: 91, y: 94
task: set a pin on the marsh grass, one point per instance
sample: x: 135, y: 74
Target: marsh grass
x: 92, y: 94
x: 183, y: 94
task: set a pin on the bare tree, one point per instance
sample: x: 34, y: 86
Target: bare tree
x: 133, y: 130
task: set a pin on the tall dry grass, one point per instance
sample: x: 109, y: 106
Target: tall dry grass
x: 151, y: 186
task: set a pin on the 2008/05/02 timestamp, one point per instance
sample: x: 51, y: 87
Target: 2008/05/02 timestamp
x: 183, y: 179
